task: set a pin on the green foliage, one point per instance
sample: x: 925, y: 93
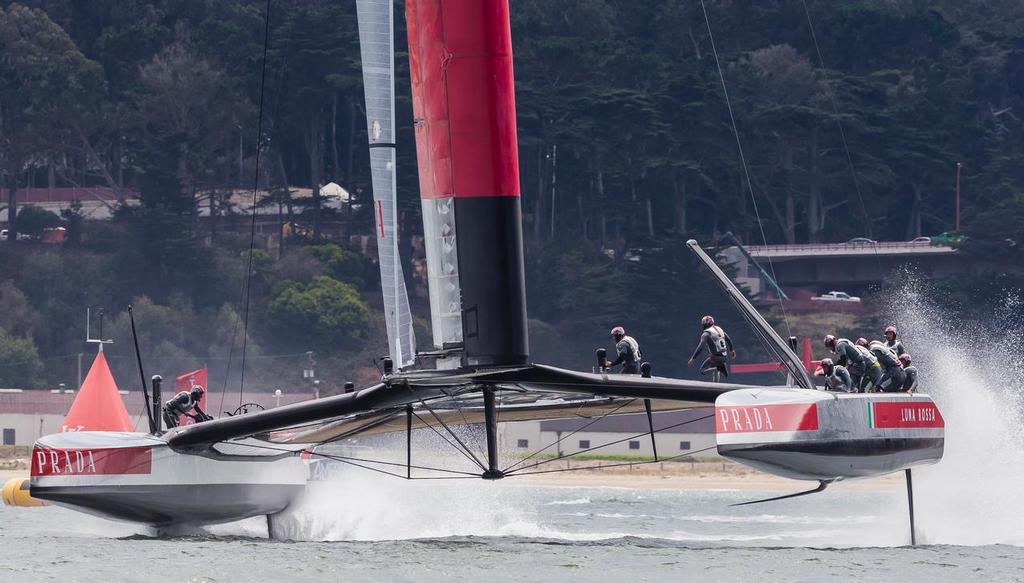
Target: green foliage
x: 340, y: 263
x: 325, y: 314
x: 20, y: 366
x: 33, y: 220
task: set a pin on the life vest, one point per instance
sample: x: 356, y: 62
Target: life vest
x: 633, y: 353
x: 716, y: 341
x: 886, y: 357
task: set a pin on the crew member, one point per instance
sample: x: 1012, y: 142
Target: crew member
x: 858, y: 360
x: 185, y: 403
x: 837, y: 378
x: 718, y: 344
x: 893, y: 374
x: 909, y: 383
x: 891, y: 341
x: 628, y: 350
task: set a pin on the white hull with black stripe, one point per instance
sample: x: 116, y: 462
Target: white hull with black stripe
x: 828, y: 436
x: 137, y: 477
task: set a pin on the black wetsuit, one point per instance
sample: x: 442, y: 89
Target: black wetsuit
x: 719, y: 346
x: 839, y: 380
x: 862, y: 365
x: 893, y: 374
x: 628, y: 355
x: 183, y: 404
x: 910, y: 382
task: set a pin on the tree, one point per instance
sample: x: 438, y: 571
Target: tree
x: 325, y: 315
x: 20, y: 365
x: 44, y: 80
x: 33, y: 220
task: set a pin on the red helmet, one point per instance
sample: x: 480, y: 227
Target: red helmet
x: 707, y: 322
x: 618, y: 331
x: 889, y: 329
x: 827, y: 366
x: 830, y: 341
x: 862, y: 342
x: 905, y: 359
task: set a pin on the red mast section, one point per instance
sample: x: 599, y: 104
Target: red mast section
x: 460, y: 56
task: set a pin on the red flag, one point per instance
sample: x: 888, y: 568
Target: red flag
x: 185, y: 382
x: 98, y: 406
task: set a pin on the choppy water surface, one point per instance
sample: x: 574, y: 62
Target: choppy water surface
x: 440, y: 532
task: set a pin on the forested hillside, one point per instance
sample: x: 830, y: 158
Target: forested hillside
x: 852, y: 118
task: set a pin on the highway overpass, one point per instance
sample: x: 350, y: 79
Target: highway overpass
x: 845, y: 266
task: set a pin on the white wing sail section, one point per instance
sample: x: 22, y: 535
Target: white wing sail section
x: 376, y: 45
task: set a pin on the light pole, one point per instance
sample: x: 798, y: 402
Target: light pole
x: 240, y: 177
x: 957, y: 221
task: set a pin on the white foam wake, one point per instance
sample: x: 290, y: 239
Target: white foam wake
x: 975, y: 495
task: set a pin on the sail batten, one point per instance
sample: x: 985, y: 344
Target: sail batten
x: 376, y: 46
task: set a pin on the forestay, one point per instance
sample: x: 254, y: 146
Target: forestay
x: 376, y: 42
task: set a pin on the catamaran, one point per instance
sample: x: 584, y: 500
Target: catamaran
x: 478, y: 369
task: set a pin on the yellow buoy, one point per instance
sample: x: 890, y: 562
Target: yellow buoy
x: 16, y: 493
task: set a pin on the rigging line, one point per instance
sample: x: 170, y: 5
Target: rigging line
x: 342, y: 458
x: 255, y: 190
x: 839, y: 122
x: 625, y: 463
x: 445, y: 425
x: 403, y: 465
x: 743, y: 159
x: 842, y: 132
x: 574, y: 432
x: 603, y: 445
x: 468, y: 454
x: 252, y: 228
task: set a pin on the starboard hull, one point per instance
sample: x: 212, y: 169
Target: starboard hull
x: 818, y: 435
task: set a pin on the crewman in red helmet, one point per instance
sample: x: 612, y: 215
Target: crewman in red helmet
x: 628, y: 350
x: 718, y: 345
x: 891, y: 341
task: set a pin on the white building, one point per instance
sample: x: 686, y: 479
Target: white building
x: 676, y: 433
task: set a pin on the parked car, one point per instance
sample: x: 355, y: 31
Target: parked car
x: 921, y: 240
x: 836, y: 296
x: 950, y: 238
x: 861, y: 241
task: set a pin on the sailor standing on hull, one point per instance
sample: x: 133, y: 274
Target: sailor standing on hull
x: 628, y: 351
x: 891, y: 341
x: 718, y: 344
x: 184, y: 403
x: 859, y: 361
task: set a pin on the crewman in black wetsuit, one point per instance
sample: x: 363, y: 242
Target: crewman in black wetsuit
x: 891, y: 341
x: 837, y: 378
x: 893, y: 374
x: 718, y: 345
x: 909, y: 383
x: 184, y: 403
x: 628, y: 350
x: 861, y: 364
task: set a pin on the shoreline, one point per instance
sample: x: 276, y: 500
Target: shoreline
x: 704, y: 475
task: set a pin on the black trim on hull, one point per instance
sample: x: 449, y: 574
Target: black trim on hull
x: 164, y: 505
x: 493, y: 284
x: 836, y: 459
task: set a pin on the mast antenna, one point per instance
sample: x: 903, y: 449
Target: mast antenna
x: 88, y: 330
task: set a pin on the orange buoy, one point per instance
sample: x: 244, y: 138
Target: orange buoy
x: 16, y: 493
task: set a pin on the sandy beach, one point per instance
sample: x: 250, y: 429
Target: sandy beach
x: 706, y: 475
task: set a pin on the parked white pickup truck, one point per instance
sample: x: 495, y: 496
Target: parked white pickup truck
x: 836, y: 296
